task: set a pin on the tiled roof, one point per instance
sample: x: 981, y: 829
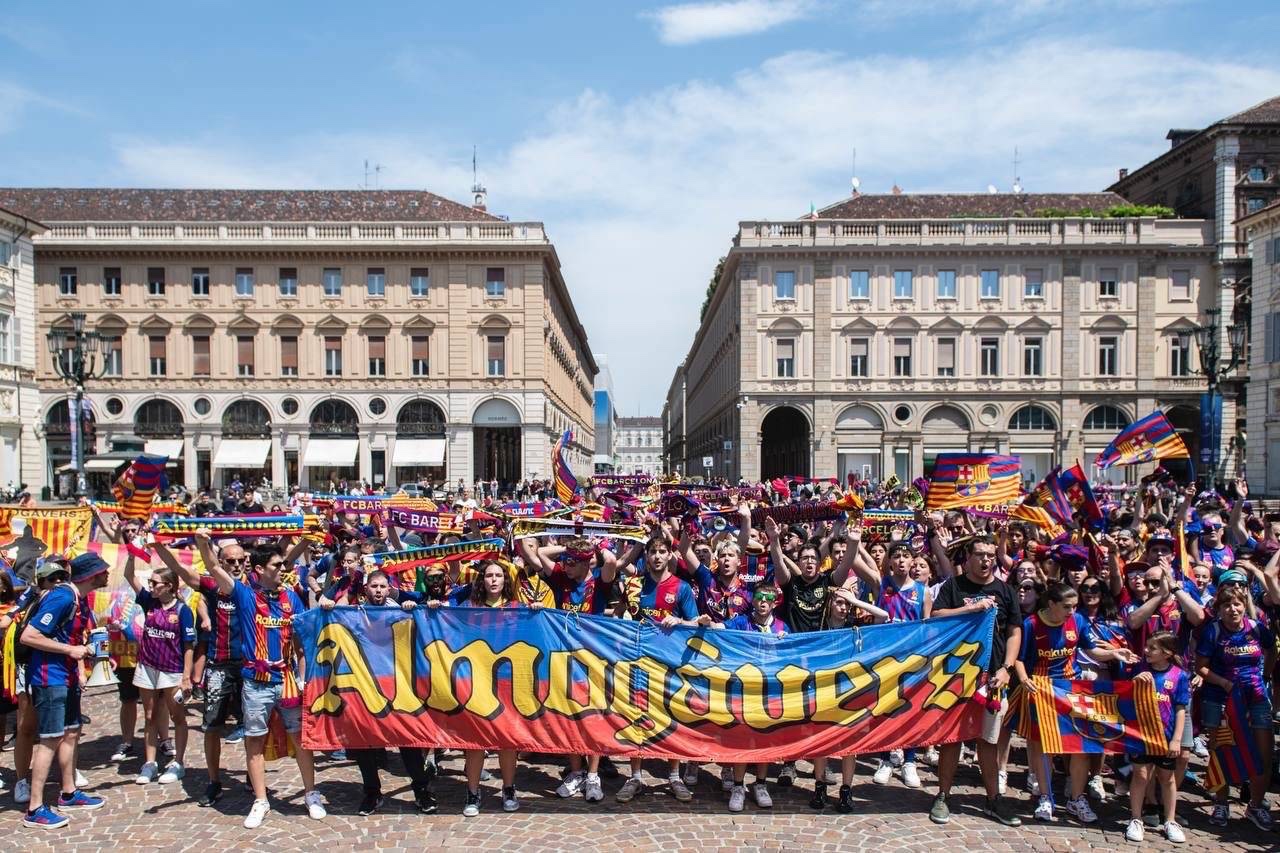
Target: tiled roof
x: 945, y: 205
x: 1267, y: 112
x: 635, y: 423
x: 159, y: 205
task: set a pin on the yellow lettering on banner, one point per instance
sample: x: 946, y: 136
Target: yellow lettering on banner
x: 717, y: 697
x: 406, y: 700
x: 338, y: 643
x: 644, y: 724
x: 829, y: 699
x: 791, y: 679
x: 560, y: 690
x: 890, y: 672
x: 942, y: 697
x: 483, y: 661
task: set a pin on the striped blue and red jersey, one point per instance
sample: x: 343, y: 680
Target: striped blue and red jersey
x: 903, y: 603
x: 54, y: 617
x: 266, y: 628
x: 1050, y: 650
x: 222, y: 641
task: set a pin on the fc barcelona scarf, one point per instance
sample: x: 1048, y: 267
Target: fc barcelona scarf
x: 137, y: 487
x: 229, y: 526
x: 394, y: 562
x: 534, y: 528
x: 1233, y: 752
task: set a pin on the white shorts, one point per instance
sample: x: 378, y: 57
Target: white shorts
x: 150, y: 678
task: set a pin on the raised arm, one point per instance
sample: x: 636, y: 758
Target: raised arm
x: 781, y: 565
x: 130, y: 577
x: 110, y: 530
x: 226, y: 583
x: 744, y: 527
x: 1235, y: 522
x: 188, y: 575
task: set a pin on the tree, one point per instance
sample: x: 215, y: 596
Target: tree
x: 711, y: 288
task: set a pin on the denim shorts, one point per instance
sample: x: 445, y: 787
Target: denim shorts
x: 258, y: 700
x: 1211, y: 714
x: 57, y: 709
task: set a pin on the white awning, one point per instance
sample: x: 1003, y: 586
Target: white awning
x: 171, y: 447
x: 242, y: 453
x: 410, y: 452
x: 104, y: 464
x: 335, y: 452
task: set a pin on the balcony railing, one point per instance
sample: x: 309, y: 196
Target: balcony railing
x: 173, y: 233
x: 246, y: 430
x: 158, y: 429
x: 411, y: 429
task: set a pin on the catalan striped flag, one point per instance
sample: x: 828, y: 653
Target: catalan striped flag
x: 1146, y: 440
x: 1039, y: 517
x: 63, y: 530
x: 137, y: 487
x: 1048, y: 495
x: 973, y: 479
x: 1233, y: 752
x: 566, y: 483
x: 1093, y: 717
x: 1075, y: 485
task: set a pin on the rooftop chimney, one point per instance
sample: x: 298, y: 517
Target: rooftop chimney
x: 1179, y: 135
x: 897, y: 190
x: 1124, y: 173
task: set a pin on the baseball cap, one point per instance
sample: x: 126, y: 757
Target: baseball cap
x: 50, y: 567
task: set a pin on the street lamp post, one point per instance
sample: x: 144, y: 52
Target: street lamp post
x: 1207, y: 340
x: 75, y: 361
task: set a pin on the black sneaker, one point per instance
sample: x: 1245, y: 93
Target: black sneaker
x: 212, y: 793
x: 845, y: 804
x: 370, y: 804
x: 819, y: 800
x: 998, y: 811
x: 426, y: 803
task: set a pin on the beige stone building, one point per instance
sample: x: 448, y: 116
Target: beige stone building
x: 1263, y: 230
x: 638, y: 445
x: 884, y: 330
x: 21, y: 456
x: 381, y: 336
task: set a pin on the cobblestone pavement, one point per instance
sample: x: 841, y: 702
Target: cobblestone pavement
x: 165, y: 818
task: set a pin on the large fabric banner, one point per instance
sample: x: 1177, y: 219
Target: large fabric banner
x: 63, y: 530
x: 551, y: 681
x: 1092, y: 716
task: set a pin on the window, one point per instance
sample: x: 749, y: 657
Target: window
x: 244, y: 281
x: 1253, y: 205
x: 155, y: 282
x: 496, y: 355
x: 375, y: 281
x: 1108, y: 355
x: 156, y: 345
x: 1033, y: 284
x: 289, y: 355
x: 244, y: 355
x: 1257, y: 174
x: 200, y: 350
x: 377, y: 356
x: 859, y: 284
x: 419, y: 281
x: 111, y: 281
x: 990, y: 286
x: 785, y: 359
x: 4, y: 338
x: 858, y: 351
x: 1032, y: 417
x: 1180, y: 355
x: 946, y: 284
x: 67, y: 281
x: 784, y: 284
x: 902, y: 285
x: 1033, y: 357
x: 495, y: 283
x: 288, y: 282
x: 199, y: 282
x: 419, y: 354
x: 1108, y: 283
x: 989, y: 356
x: 332, y: 355
x: 332, y: 278
x: 1106, y: 417
x: 946, y: 356
x: 112, y: 358
x: 902, y: 356
x: 1180, y: 284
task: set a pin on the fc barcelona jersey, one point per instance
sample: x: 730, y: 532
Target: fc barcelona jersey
x: 1050, y: 650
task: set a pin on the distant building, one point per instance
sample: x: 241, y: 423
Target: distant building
x: 21, y: 456
x: 606, y: 418
x: 1263, y: 230
x: 640, y: 446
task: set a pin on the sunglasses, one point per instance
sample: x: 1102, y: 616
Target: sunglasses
x: 235, y: 561
x: 1090, y: 590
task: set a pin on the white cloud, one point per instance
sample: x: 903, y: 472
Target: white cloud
x: 688, y: 23
x: 642, y: 195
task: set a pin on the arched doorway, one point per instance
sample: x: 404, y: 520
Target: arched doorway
x: 859, y: 437
x: 158, y: 423
x: 946, y: 430
x: 784, y: 444
x: 497, y: 447
x: 333, y: 444
x: 1186, y: 422
x: 420, y: 443
x: 244, y: 453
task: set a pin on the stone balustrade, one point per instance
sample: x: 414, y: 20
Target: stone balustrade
x: 974, y: 232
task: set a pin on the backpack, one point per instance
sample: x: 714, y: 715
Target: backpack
x: 21, y: 651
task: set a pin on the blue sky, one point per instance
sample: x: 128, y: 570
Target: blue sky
x: 641, y: 133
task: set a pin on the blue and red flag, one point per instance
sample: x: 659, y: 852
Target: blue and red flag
x: 137, y: 487
x: 566, y: 483
x: 1074, y: 717
x: 1146, y: 440
x: 1048, y: 495
x: 973, y: 479
x: 1079, y: 494
x: 1233, y: 752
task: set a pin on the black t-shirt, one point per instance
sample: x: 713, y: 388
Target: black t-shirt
x: 805, y: 602
x: 959, y: 591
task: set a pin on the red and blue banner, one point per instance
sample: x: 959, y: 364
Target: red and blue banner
x: 1091, y: 716
x: 1233, y: 751
x: 1048, y: 495
x: 1074, y: 484
x: 137, y: 487
x: 1145, y: 440
x: 973, y: 479
x: 551, y: 681
x: 565, y: 482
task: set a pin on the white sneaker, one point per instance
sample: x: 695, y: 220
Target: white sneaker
x: 593, y: 793
x: 1200, y: 746
x: 726, y: 778
x: 1044, y: 811
x: 510, y: 802
x: 148, y: 773
x: 737, y: 798
x: 315, y: 806
x: 257, y: 814
x: 572, y: 784
x: 1135, y: 831
x: 629, y: 789
x: 22, y: 791
x: 172, y: 773
x: 690, y: 773
x: 678, y: 789
x: 82, y: 781
x: 761, y: 792
x: 895, y: 757
x: 1002, y: 782
x: 931, y: 756
x: 1080, y: 810
x: 1174, y: 833
x: 882, y: 774
x: 1033, y: 784
x: 910, y: 777
x: 1095, y: 789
